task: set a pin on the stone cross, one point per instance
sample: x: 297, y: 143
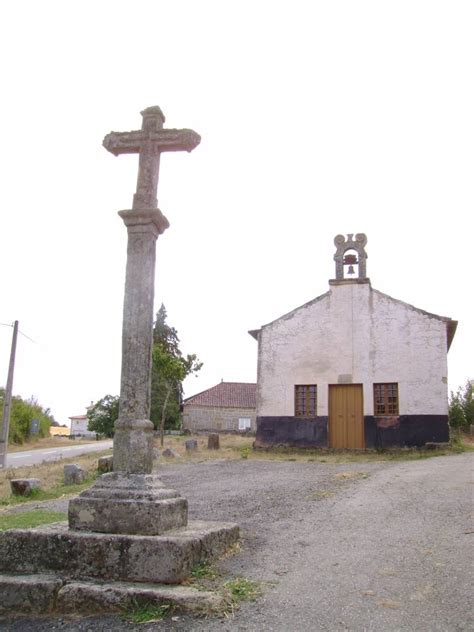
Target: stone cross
x: 149, y: 143
x: 133, y: 441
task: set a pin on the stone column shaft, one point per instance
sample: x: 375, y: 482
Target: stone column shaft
x: 133, y: 441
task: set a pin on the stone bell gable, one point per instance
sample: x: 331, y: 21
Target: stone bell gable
x: 353, y: 368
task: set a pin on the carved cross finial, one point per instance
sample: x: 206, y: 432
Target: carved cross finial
x: 149, y: 143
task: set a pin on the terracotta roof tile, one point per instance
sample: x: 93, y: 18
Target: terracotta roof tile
x: 226, y: 394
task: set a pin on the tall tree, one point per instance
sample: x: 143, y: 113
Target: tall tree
x: 461, y: 407
x: 169, y: 368
x: 103, y: 415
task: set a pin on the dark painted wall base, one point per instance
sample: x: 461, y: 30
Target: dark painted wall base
x: 380, y: 432
x: 405, y: 431
x: 292, y: 431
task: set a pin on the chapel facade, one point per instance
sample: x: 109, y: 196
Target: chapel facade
x: 354, y: 368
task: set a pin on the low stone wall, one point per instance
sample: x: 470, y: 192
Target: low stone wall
x: 213, y: 419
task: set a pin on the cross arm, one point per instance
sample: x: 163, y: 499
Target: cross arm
x: 163, y: 140
x: 123, y: 142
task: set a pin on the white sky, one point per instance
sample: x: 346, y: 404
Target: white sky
x: 316, y: 117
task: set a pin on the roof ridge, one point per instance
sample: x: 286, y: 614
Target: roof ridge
x: 226, y: 394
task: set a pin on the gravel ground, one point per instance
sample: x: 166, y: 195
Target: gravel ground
x: 359, y: 546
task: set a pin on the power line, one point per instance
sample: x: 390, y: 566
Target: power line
x: 20, y: 332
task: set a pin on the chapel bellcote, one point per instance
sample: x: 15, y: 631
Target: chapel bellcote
x: 351, y: 257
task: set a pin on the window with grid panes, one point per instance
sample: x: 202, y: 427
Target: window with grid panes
x: 305, y: 400
x: 386, y: 399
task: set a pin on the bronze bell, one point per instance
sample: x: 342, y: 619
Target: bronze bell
x: 350, y: 270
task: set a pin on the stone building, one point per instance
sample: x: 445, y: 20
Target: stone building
x: 226, y: 407
x: 353, y: 368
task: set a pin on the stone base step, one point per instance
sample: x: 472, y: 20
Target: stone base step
x: 163, y: 559
x: 50, y: 594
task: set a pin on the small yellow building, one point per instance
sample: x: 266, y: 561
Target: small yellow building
x: 59, y: 431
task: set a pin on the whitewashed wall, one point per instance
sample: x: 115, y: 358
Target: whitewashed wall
x: 354, y: 334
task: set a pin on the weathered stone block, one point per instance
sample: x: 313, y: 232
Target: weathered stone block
x: 169, y: 453
x: 213, y: 442
x: 24, y: 486
x: 87, y: 598
x: 128, y: 503
x: 48, y: 594
x: 28, y: 593
x: 105, y: 464
x: 191, y: 445
x: 165, y: 559
x: 74, y: 474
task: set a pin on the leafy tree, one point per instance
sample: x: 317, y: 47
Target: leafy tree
x: 169, y: 368
x: 461, y: 407
x: 22, y: 413
x: 103, y: 415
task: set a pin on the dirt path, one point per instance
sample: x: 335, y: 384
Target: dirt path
x: 366, y: 546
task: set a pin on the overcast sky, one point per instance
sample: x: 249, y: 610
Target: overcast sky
x: 316, y: 117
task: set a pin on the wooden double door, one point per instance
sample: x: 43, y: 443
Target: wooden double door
x: 346, y: 416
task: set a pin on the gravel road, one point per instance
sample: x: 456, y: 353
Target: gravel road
x: 366, y: 546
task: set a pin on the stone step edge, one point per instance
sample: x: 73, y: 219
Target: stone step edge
x: 23, y: 595
x: 128, y: 558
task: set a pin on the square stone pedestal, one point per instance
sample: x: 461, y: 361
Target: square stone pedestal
x: 128, y: 503
x: 128, y: 539
x: 56, y: 569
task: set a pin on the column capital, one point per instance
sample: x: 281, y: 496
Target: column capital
x: 141, y: 220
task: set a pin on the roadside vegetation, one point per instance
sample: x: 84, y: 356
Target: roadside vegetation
x: 23, y: 412
x: 51, y: 474
x: 461, y: 408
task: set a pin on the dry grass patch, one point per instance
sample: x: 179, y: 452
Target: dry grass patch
x: 234, y: 447
x: 51, y: 474
x: 231, y: 447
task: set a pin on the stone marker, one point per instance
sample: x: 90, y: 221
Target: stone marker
x: 105, y: 464
x: 127, y: 527
x: 24, y: 486
x: 191, y: 445
x: 74, y: 474
x: 213, y: 441
x: 170, y: 453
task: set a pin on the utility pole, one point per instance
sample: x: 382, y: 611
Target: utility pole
x: 7, y: 401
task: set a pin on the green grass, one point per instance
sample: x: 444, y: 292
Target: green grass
x: 204, y: 571
x: 245, y: 452
x: 147, y: 612
x: 242, y: 589
x: 29, y: 519
x: 51, y: 494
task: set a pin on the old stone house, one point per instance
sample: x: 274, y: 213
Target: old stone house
x: 226, y: 407
x: 353, y: 368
